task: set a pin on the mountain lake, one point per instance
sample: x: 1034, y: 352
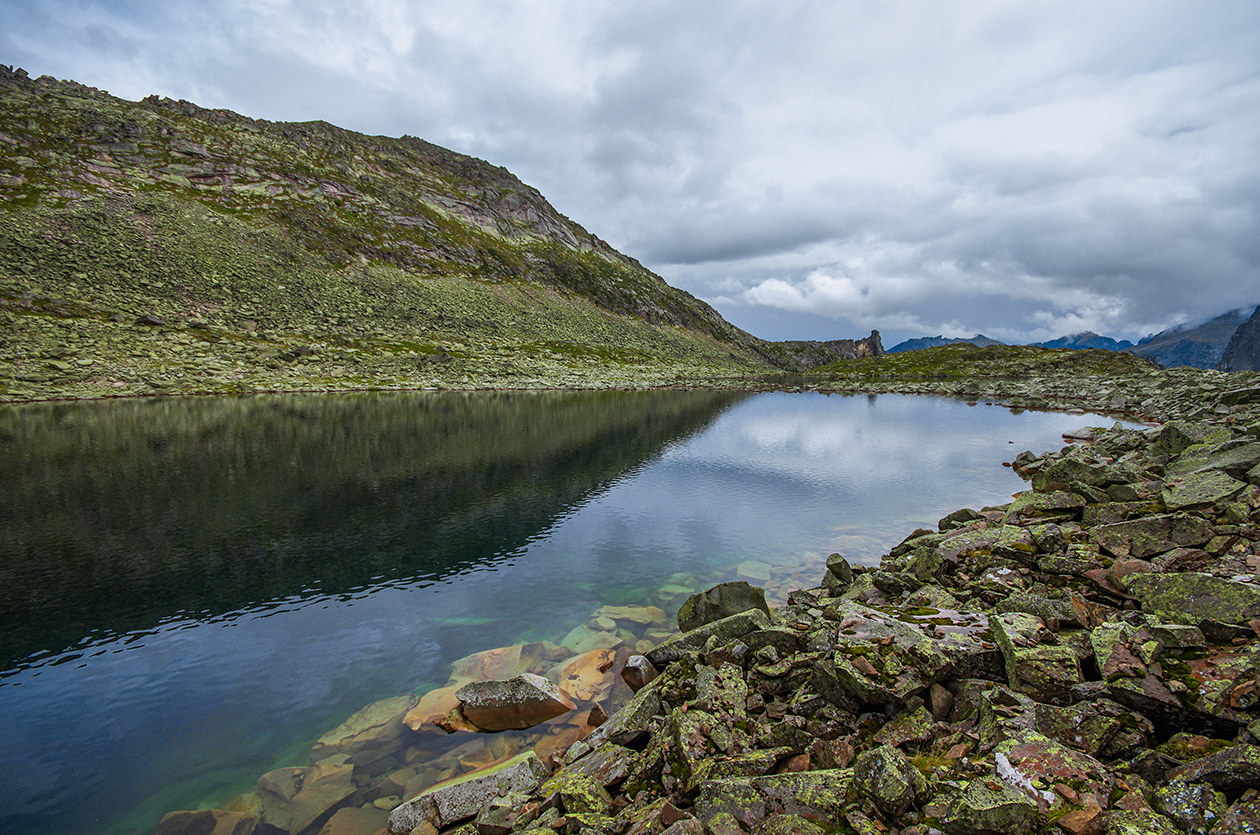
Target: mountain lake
x: 194, y: 590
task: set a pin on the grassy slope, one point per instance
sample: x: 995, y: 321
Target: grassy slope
x: 305, y: 256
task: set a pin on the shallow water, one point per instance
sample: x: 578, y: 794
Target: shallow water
x: 193, y: 590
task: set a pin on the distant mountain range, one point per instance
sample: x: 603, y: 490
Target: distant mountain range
x: 1230, y: 342
x: 1087, y: 339
x: 979, y: 340
x: 1199, y: 346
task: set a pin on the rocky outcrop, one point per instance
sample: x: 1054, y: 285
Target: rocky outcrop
x: 1243, y: 351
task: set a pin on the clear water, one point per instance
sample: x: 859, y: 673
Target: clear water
x: 193, y: 590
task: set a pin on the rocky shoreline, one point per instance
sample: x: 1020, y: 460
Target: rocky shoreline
x: 1082, y: 660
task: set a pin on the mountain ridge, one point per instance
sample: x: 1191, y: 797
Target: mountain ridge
x: 158, y: 246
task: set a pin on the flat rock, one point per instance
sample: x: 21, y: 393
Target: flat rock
x: 206, y: 822
x: 464, y: 796
x: 432, y: 708
x: 589, y: 676
x: 368, y: 735
x: 294, y: 798
x: 1200, y: 488
x: 356, y: 820
x: 518, y: 703
x: 1193, y: 598
x: 1150, y: 535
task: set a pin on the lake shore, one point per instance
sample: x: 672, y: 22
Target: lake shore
x: 1082, y: 660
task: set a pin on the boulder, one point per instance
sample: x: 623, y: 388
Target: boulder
x: 206, y: 822
x: 816, y: 796
x: 373, y: 732
x: 463, y: 797
x: 1193, y: 598
x: 885, y: 776
x: 1047, y: 671
x: 638, y: 672
x: 721, y: 601
x: 518, y: 703
x: 295, y: 798
x: 990, y: 807
x: 726, y: 629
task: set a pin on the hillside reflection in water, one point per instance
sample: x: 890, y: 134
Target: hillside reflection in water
x: 191, y: 591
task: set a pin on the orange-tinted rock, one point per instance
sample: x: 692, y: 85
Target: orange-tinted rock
x: 432, y: 709
x: 588, y: 677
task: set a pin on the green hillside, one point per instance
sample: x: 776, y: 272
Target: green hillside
x: 156, y: 246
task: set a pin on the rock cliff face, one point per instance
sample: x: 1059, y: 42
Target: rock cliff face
x: 1243, y: 351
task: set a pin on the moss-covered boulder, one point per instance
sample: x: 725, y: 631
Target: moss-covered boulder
x: 1194, y: 597
x: 721, y: 601
x: 887, y: 778
x: 463, y: 797
x: 990, y: 807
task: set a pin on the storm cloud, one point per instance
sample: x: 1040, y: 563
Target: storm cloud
x: 813, y: 169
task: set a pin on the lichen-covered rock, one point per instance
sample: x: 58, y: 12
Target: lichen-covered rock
x: 1033, y: 666
x: 817, y: 796
x: 518, y: 703
x: 576, y: 792
x: 885, y: 776
x: 990, y: 807
x: 1200, y: 488
x: 1145, y: 822
x: 1231, y: 769
x: 721, y: 601
x: 725, y: 629
x: 1194, y: 808
x: 463, y: 797
x: 1152, y: 535
x: 1193, y: 598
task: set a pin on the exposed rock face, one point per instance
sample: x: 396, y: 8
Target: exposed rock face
x: 1196, y: 346
x: 1243, y: 351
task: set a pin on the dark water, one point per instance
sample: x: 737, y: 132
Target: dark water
x: 193, y: 590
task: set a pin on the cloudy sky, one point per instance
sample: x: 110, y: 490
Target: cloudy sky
x: 1021, y: 168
